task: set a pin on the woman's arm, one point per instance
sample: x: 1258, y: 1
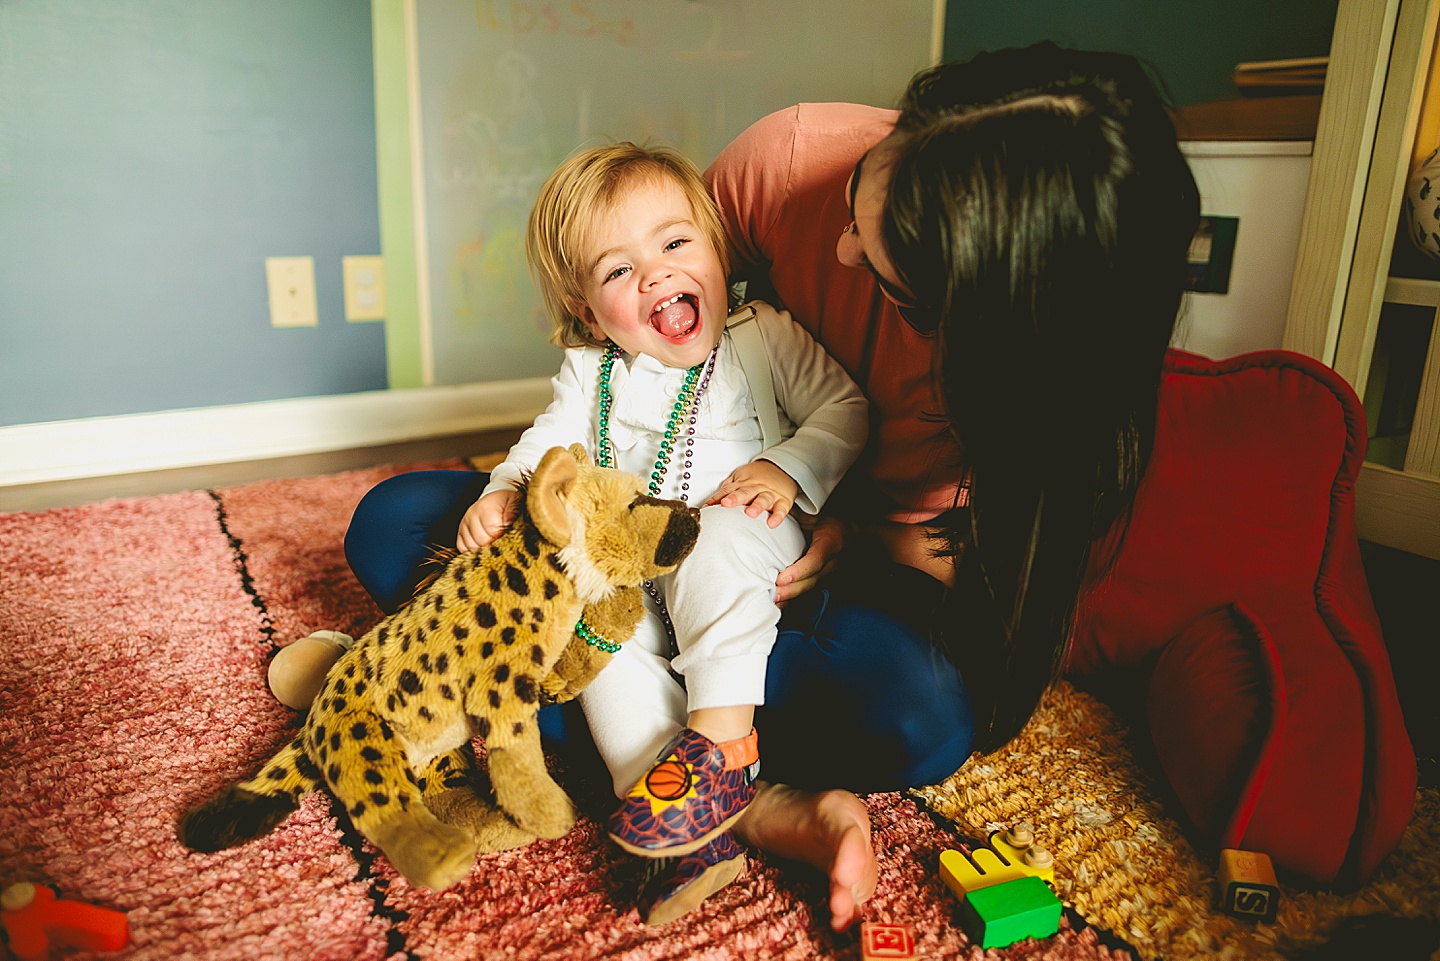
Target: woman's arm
x: 830, y: 414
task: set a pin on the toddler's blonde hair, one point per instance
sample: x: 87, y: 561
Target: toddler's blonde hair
x: 581, y: 189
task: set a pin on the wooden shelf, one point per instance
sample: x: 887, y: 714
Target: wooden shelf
x: 1398, y: 509
x: 1416, y: 291
x: 1247, y: 118
x: 1356, y: 259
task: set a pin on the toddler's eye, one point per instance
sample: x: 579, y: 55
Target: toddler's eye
x: 674, y: 244
x: 617, y: 272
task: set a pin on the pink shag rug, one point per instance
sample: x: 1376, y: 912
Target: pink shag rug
x: 136, y: 636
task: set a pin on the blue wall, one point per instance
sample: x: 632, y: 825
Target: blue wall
x: 153, y: 153
x: 1193, y: 44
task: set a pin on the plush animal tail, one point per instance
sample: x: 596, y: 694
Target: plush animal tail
x: 251, y: 809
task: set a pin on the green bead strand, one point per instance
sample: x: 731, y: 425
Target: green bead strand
x: 682, y: 403
x: 594, y: 638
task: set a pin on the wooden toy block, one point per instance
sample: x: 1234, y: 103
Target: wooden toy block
x: 33, y: 916
x: 982, y: 868
x: 1248, y: 888
x: 1001, y: 914
x: 886, y: 941
x: 1002, y: 861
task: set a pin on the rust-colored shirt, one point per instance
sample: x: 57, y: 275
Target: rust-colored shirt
x: 781, y: 190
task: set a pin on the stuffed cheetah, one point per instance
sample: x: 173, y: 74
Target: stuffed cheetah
x: 473, y: 653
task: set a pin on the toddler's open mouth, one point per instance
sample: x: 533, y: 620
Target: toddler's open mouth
x: 676, y: 317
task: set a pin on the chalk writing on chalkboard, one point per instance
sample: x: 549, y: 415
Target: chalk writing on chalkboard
x: 576, y: 19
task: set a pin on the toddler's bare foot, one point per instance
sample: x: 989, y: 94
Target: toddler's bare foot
x: 829, y: 831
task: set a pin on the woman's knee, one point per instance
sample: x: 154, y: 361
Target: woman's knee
x: 891, y: 671
x: 400, y: 522
x: 742, y: 540
x: 880, y: 687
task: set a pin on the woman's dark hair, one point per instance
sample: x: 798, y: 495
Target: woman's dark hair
x: 1039, y: 205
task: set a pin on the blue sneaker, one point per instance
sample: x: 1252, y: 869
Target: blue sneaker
x: 694, y: 792
x: 680, y: 884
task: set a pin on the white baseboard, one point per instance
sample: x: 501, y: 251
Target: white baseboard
x: 102, y: 446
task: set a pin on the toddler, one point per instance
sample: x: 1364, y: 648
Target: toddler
x: 628, y: 251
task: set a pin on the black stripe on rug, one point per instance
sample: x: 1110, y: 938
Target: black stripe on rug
x: 352, y: 839
x: 242, y: 567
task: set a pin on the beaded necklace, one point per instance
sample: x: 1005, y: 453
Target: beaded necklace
x: 697, y: 378
x: 685, y: 410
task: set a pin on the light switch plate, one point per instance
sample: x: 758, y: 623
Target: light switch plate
x: 364, y: 288
x: 292, y: 291
x: 1212, y: 252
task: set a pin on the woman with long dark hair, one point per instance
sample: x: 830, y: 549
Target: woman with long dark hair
x: 1020, y: 229
x: 1045, y: 225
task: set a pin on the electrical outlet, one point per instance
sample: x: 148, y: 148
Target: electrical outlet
x: 364, y: 288
x: 292, y: 291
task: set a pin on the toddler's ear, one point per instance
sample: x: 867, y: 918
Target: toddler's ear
x: 586, y: 316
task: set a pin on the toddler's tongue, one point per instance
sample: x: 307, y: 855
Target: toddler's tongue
x: 675, y: 320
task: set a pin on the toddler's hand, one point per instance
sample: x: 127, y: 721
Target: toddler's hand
x: 760, y: 486
x: 486, y: 519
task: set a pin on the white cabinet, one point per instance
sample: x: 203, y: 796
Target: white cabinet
x: 1261, y: 183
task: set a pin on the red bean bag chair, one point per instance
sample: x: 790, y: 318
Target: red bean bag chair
x: 1238, y: 594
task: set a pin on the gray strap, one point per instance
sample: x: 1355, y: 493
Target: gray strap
x: 755, y: 362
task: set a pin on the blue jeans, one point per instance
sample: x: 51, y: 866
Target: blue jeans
x: 856, y: 694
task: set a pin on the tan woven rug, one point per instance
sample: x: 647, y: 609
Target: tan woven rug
x: 1124, y: 864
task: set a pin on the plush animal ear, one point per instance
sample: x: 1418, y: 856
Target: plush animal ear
x: 577, y: 451
x: 545, y: 500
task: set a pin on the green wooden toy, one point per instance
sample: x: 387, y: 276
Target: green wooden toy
x: 1005, y: 913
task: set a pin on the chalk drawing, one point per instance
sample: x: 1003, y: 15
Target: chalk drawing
x: 487, y: 275
x: 721, y: 24
x: 493, y: 159
x: 574, y: 19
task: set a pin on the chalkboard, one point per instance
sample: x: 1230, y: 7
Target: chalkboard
x: 509, y: 88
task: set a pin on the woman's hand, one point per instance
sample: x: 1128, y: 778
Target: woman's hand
x: 486, y: 519
x: 827, y: 540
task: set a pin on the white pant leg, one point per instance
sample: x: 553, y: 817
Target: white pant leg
x: 635, y: 706
x: 722, y: 603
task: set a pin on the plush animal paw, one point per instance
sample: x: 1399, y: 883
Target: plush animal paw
x: 529, y: 796
x: 428, y: 853
x: 457, y: 793
x: 487, y: 824
x: 298, y: 671
x: 613, y: 620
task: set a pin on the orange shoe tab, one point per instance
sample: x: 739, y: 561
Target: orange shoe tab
x: 742, y: 751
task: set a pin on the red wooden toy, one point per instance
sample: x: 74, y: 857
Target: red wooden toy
x: 34, y: 917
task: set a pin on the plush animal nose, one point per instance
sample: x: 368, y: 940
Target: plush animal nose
x: 680, y: 532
